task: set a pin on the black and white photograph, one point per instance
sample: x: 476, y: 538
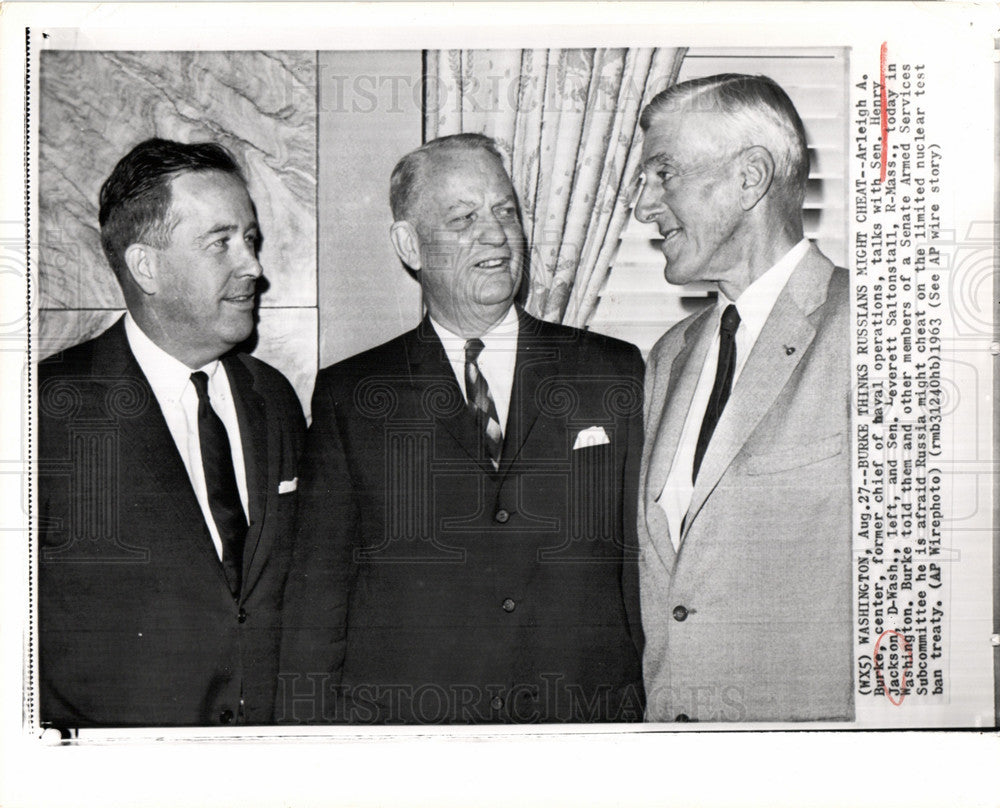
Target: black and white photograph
x: 442, y: 547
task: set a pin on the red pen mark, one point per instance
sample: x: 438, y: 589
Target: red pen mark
x: 885, y: 112
x: 906, y: 669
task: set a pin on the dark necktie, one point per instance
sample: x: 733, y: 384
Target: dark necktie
x: 723, y: 384
x: 481, y: 403
x: 220, y: 481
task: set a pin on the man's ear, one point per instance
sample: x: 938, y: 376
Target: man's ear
x: 406, y: 242
x: 757, y: 174
x: 141, y: 260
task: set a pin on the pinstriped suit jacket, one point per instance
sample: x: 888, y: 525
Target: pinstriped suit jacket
x: 433, y: 589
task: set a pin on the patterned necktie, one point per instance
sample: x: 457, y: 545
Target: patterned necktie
x: 220, y: 481
x: 723, y: 384
x: 481, y: 403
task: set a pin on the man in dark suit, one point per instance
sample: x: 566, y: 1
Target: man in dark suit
x: 167, y: 467
x: 465, y: 491
x: 745, y: 505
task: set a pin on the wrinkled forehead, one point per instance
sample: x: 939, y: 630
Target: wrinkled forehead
x: 686, y: 136
x: 453, y: 175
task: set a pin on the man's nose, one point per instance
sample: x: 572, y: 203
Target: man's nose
x: 249, y: 265
x: 648, y: 204
x: 491, y: 231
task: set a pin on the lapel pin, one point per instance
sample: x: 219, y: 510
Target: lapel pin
x: 789, y: 349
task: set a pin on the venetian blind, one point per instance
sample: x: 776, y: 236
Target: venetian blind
x: 637, y: 304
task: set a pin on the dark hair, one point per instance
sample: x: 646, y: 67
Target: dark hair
x: 135, y: 199
x: 754, y: 108
x: 408, y: 175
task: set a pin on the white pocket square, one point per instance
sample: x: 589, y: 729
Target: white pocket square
x: 591, y: 436
x: 287, y: 486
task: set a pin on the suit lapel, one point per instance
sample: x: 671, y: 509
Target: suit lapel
x: 782, y: 344
x: 535, y: 357
x: 146, y: 439
x: 675, y: 401
x: 430, y: 365
x: 670, y: 403
x: 432, y: 379
x: 255, y: 439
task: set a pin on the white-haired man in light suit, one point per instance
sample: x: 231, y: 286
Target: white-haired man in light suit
x: 744, y: 513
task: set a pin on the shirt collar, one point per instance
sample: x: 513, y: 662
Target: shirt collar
x: 498, y: 336
x: 167, y: 375
x: 757, y: 300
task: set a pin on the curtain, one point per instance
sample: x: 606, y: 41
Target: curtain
x: 567, y: 122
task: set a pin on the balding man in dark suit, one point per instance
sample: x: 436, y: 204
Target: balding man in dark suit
x: 461, y: 557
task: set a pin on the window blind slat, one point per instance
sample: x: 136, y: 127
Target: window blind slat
x: 637, y: 304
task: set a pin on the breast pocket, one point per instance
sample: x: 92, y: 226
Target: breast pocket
x: 798, y: 456
x: 594, y: 489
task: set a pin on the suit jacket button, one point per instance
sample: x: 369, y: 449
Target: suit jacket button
x: 680, y: 614
x: 508, y: 605
x: 682, y: 718
x: 226, y: 717
x: 502, y: 516
x: 242, y: 616
x: 496, y: 703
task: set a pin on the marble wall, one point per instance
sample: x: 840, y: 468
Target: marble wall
x: 96, y: 105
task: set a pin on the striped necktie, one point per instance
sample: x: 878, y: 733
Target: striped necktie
x: 481, y: 403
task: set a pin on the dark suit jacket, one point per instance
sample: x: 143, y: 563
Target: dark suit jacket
x: 137, y: 624
x: 435, y: 589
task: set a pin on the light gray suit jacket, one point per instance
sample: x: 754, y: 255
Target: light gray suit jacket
x: 751, y: 619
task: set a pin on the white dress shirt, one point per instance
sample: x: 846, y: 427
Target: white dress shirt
x: 178, y: 400
x: 496, y: 362
x: 754, y: 307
